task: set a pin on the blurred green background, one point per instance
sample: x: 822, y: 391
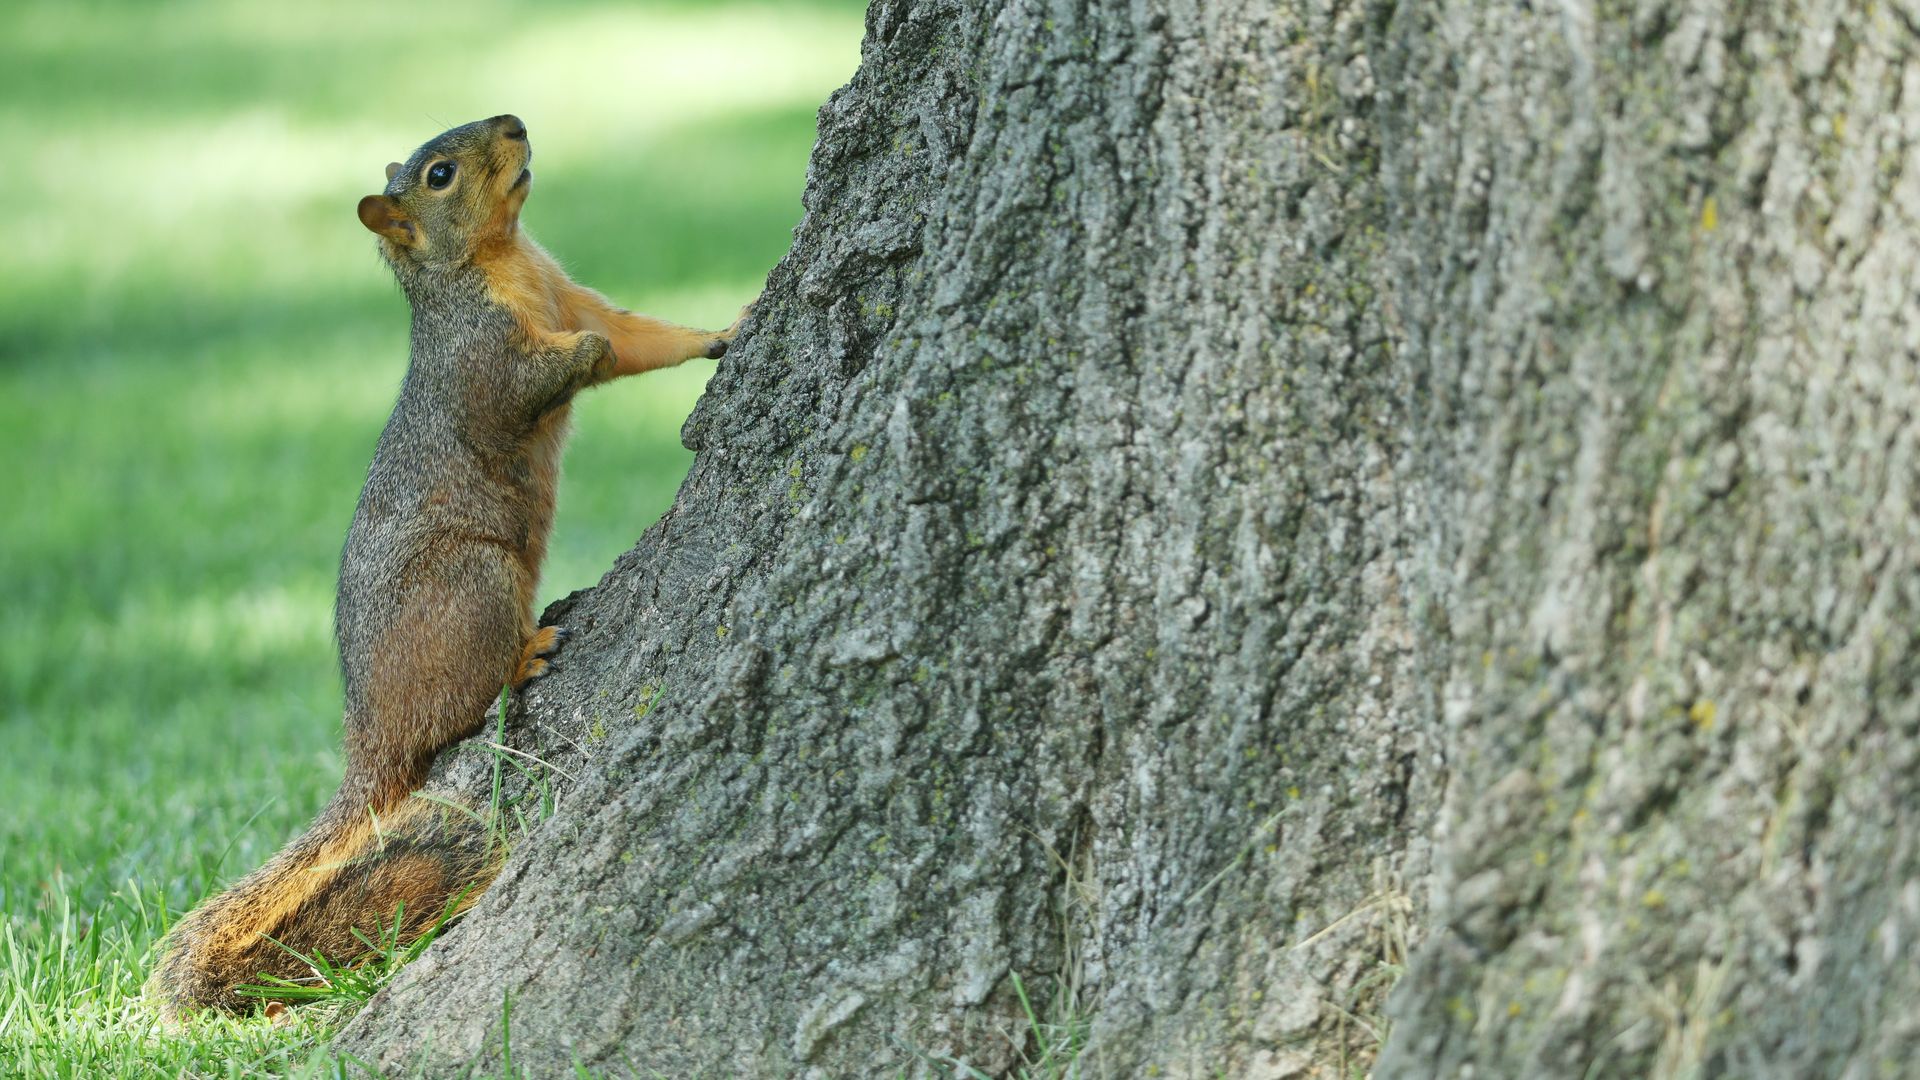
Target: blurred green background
x: 198, y: 347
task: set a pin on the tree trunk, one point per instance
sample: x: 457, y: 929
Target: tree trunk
x: 1230, y: 510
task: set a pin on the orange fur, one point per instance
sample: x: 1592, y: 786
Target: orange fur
x: 533, y: 663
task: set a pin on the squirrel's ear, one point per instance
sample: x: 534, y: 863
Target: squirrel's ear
x: 392, y: 167
x: 384, y: 216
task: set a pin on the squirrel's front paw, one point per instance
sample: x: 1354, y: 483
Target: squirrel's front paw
x: 594, y: 349
x: 718, y: 346
x: 533, y: 657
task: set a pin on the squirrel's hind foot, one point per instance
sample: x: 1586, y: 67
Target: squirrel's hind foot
x: 533, y: 657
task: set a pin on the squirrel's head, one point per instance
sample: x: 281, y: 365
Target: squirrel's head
x: 460, y: 190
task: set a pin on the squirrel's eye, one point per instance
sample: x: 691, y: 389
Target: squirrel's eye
x: 440, y: 175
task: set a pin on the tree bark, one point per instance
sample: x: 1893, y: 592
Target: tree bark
x: 1228, y: 510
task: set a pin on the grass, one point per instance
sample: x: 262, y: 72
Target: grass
x: 197, y: 350
x: 1385, y: 917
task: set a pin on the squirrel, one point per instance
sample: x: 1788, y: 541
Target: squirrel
x: 437, y: 578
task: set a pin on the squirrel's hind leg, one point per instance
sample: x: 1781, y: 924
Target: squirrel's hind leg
x: 455, y: 635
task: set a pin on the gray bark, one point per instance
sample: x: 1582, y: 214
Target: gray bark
x: 1227, y: 510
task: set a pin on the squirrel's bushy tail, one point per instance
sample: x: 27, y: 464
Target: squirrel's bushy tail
x: 350, y: 869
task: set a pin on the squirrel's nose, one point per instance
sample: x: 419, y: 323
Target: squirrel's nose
x: 509, y: 125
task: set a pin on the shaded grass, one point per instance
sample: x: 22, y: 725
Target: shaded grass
x: 198, y: 347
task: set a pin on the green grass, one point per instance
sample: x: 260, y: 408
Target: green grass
x: 197, y: 349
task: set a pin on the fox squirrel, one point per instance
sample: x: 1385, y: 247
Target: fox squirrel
x: 435, y: 607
